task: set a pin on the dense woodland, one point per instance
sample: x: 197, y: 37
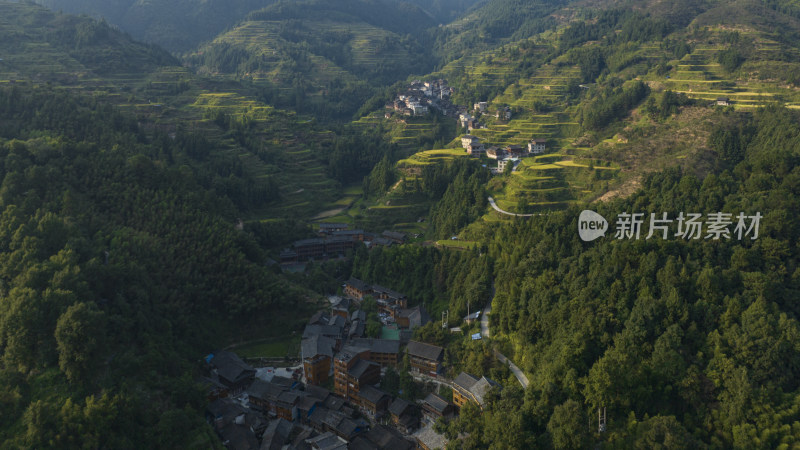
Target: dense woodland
x: 686, y: 343
x: 123, y: 259
x: 117, y: 266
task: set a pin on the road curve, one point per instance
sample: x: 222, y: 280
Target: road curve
x: 523, y: 380
x: 496, y: 208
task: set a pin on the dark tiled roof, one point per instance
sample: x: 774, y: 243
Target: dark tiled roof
x: 317, y: 345
x: 399, y: 406
x: 359, y: 368
x: 358, y: 284
x: 382, y: 437
x: 324, y: 330
x: 306, y: 403
x: 480, y: 388
x: 328, y: 226
x: 286, y: 383
x: 474, y: 385
x: 371, y: 394
x: 337, y: 321
x: 465, y: 380
x: 224, y: 410
x: 230, y: 367
x: 319, y: 318
x: 317, y: 392
x: 379, y: 345
x: 417, y: 316
x: 383, y: 241
x: 437, y: 403
x: 288, y: 398
x: 342, y: 303
x: 348, y: 232
x: 389, y: 293
x: 358, y: 315
x: 263, y: 390
x: 239, y: 437
x: 394, y: 235
x: 308, y: 242
x: 426, y: 351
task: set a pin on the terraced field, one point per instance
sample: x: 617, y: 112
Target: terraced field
x: 550, y: 182
x: 700, y: 76
x: 271, y: 50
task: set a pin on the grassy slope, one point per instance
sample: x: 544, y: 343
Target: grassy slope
x: 149, y: 83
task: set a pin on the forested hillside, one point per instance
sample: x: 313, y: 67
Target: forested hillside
x: 145, y: 196
x: 176, y: 25
x: 119, y: 270
x: 325, y: 58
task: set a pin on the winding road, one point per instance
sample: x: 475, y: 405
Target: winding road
x: 502, y: 211
x: 523, y: 380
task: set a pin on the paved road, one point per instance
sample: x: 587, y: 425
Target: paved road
x: 496, y: 208
x: 485, y: 332
x: 485, y: 321
x: 523, y: 380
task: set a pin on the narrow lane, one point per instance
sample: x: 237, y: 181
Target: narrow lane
x: 485, y: 332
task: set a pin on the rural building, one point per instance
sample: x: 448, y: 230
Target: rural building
x: 471, y: 388
x: 495, y: 153
x: 515, y: 151
x: 468, y: 139
x: 412, y: 318
x: 330, y: 228
x: 317, y: 352
x: 230, y: 371
x: 723, y: 101
x: 385, y: 352
x: 503, y: 113
x: 357, y: 289
x: 341, y: 308
x: 382, y: 437
x: 537, y: 146
x: 286, y: 406
x: 434, y: 407
x: 425, y: 358
x: 395, y: 236
x: 475, y: 149
x: 373, y: 401
x: 469, y: 318
x: 353, y: 370
x: 501, y: 164
x: 405, y: 416
x: 428, y: 439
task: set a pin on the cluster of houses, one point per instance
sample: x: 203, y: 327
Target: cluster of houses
x: 420, y: 98
x: 280, y: 412
x: 250, y: 410
x: 474, y: 147
x: 334, y: 240
x: 466, y: 120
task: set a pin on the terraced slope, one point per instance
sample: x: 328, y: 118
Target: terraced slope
x: 82, y: 55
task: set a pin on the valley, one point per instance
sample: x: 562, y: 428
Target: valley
x: 351, y: 224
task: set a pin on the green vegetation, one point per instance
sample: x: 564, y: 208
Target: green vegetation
x: 143, y: 203
x: 120, y: 268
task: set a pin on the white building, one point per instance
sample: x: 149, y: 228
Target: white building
x: 536, y: 146
x: 468, y: 140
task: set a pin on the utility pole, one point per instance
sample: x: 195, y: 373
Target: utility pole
x: 601, y: 419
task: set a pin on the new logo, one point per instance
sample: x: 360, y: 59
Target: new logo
x: 591, y: 225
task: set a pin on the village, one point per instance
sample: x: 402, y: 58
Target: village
x: 335, y: 400
x: 420, y: 98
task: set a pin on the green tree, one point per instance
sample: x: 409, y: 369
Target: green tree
x: 80, y: 336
